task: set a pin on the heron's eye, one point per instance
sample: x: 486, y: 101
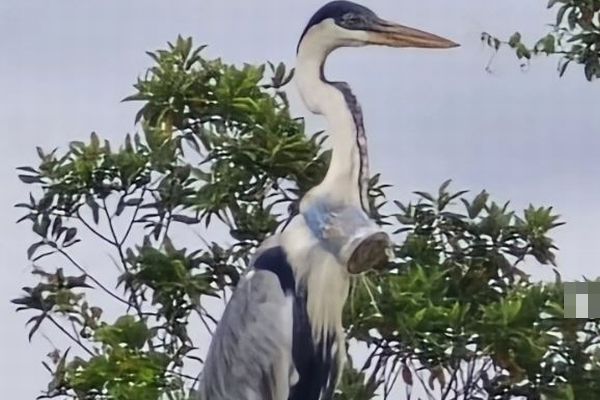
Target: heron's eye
x: 353, y: 19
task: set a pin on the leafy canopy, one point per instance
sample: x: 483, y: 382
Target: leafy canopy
x: 454, y: 313
x: 574, y: 36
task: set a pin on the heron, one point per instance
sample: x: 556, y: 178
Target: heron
x: 281, y: 334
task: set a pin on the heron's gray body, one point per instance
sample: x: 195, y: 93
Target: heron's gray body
x: 281, y: 334
x: 249, y: 357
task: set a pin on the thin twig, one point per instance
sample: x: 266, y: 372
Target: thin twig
x: 201, y: 315
x: 168, y: 216
x: 422, y: 381
x: 389, y: 381
x: 393, y: 381
x: 365, y: 281
x: 94, y: 231
x: 369, y: 358
x: 135, y: 212
x: 133, y: 300
x: 73, y: 338
x: 77, y: 335
x: 111, y: 226
x: 467, y: 388
x: 96, y: 281
x: 462, y: 379
x: 452, y: 380
x: 182, y: 375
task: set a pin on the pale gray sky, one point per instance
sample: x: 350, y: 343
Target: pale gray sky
x: 525, y: 137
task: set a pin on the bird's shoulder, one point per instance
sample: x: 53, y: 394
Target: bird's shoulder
x: 266, y: 287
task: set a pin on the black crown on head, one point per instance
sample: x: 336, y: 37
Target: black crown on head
x: 346, y: 14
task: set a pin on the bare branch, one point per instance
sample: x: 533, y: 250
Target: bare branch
x: 94, y: 231
x: 73, y: 338
x: 97, y: 282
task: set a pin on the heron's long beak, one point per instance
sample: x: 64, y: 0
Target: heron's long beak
x: 391, y: 34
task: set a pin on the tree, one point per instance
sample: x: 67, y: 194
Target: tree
x: 575, y: 37
x: 453, y: 313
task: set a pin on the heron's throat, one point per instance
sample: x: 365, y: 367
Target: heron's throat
x: 348, y: 173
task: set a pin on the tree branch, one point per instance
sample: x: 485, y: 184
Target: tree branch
x: 135, y: 213
x: 73, y: 338
x: 94, y: 231
x: 133, y: 296
x: 97, y: 282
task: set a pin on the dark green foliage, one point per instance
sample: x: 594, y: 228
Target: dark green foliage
x: 575, y: 37
x: 459, y: 309
x: 454, y: 313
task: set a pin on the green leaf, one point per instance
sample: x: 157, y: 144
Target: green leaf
x: 549, y: 44
x: 523, y: 51
x: 91, y: 202
x: 33, y: 248
x: 425, y: 195
x: 478, y: 204
x: 514, y: 40
x: 185, y: 219
x: 443, y: 187
x: 29, y: 179
x: 407, y: 376
x: 71, y: 232
x: 38, y: 322
x: 561, y: 13
x: 29, y: 169
x: 563, y: 67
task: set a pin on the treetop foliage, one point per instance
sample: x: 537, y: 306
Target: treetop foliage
x: 575, y: 36
x: 455, y: 312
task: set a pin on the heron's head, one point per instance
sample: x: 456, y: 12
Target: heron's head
x: 343, y: 23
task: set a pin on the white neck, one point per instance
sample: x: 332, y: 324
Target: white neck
x: 342, y: 182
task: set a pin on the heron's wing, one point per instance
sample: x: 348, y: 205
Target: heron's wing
x: 250, y: 354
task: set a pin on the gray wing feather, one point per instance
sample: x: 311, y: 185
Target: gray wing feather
x: 250, y: 353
